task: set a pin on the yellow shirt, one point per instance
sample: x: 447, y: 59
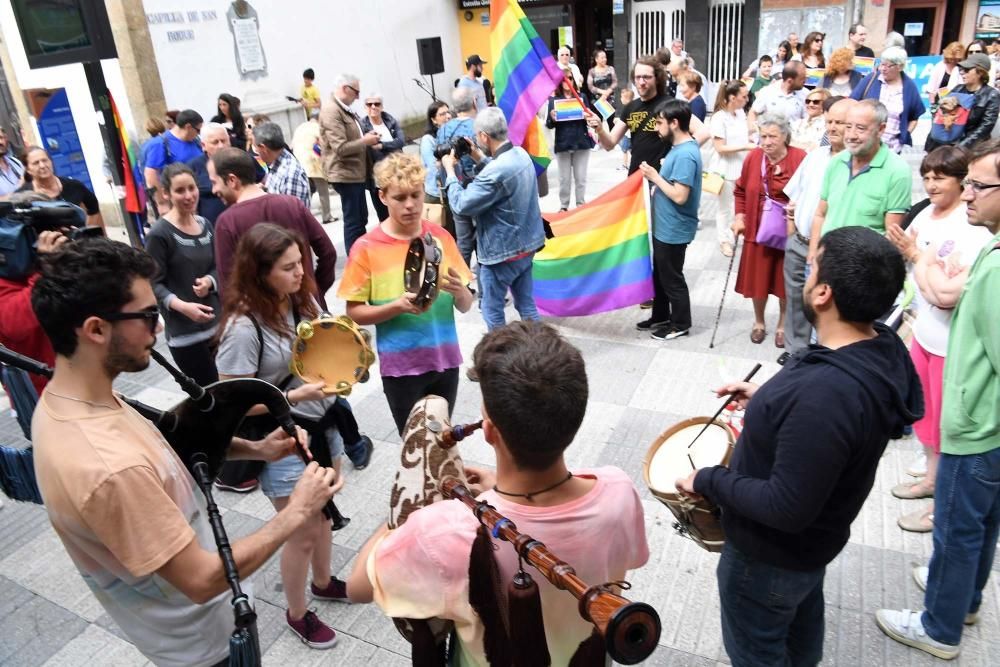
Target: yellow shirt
x: 310, y: 95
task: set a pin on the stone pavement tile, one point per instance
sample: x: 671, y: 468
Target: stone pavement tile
x: 24, y: 618
x: 21, y: 522
x: 596, y: 433
x: 97, y: 646
x: 664, y: 656
x: 43, y: 567
x: 613, y: 372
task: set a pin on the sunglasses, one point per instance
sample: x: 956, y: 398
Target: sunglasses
x: 352, y: 88
x: 975, y: 50
x: 152, y: 317
x: 373, y: 104
x: 814, y: 101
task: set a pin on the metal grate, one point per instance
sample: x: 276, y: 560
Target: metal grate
x: 725, y: 29
x: 655, y: 23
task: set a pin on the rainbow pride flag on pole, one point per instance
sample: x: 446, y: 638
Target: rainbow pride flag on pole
x: 599, y: 259
x: 524, y: 75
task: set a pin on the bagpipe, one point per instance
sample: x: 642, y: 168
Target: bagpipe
x: 431, y: 470
x: 199, y: 429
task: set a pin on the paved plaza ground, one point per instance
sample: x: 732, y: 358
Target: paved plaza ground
x: 638, y: 388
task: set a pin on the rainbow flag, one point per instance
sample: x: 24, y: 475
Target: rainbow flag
x: 864, y: 66
x: 524, y: 75
x: 599, y: 259
x: 814, y: 75
x: 135, y: 181
x: 605, y: 108
x: 567, y: 110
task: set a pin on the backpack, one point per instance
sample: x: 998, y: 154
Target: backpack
x: 17, y: 248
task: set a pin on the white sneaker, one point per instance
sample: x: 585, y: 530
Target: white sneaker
x: 920, y: 577
x: 919, y: 467
x: 906, y: 627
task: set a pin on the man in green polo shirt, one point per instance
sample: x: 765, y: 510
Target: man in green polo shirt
x: 867, y: 185
x: 967, y: 492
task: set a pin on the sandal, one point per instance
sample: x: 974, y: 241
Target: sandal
x: 779, y: 338
x: 757, y: 335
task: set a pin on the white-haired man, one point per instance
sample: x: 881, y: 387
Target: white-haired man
x: 503, y: 199
x: 344, y: 151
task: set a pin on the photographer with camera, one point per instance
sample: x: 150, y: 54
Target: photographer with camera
x: 503, y: 199
x: 450, y: 136
x: 19, y: 328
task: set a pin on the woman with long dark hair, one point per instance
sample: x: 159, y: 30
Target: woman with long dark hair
x: 266, y: 295
x: 438, y: 114
x: 228, y: 114
x: 572, y: 145
x: 181, y: 242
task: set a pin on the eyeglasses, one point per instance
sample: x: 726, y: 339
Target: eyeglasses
x: 151, y: 316
x: 888, y: 65
x: 373, y: 104
x: 978, y: 187
x: 353, y: 89
x: 813, y: 101
x: 643, y: 77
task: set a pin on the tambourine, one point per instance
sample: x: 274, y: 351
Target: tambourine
x: 420, y: 273
x: 332, y: 350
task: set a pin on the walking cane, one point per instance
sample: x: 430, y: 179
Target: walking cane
x: 725, y: 286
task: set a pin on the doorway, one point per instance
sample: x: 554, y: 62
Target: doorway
x: 921, y: 23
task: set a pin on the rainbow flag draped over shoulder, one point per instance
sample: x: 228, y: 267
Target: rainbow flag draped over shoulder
x: 135, y: 181
x: 524, y: 76
x: 599, y: 259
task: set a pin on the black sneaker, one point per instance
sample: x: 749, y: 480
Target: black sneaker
x: 362, y: 461
x: 649, y: 324
x: 668, y: 333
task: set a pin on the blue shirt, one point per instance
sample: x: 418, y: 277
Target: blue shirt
x: 478, y: 92
x: 180, y: 151
x: 673, y: 223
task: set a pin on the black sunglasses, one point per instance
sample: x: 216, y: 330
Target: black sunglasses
x: 152, y: 317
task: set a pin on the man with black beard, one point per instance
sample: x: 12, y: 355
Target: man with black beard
x: 474, y: 71
x: 806, y: 459
x: 117, y: 495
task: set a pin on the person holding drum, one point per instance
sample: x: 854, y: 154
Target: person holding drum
x: 807, y: 456
x: 422, y: 568
x: 417, y: 343
x: 269, y: 293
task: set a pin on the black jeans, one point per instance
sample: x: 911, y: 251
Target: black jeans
x: 671, y: 300
x: 352, y: 202
x: 404, y: 392
x: 197, y: 362
x: 381, y: 212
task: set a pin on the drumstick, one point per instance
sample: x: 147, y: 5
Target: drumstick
x: 719, y: 412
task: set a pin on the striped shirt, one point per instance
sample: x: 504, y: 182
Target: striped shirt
x: 407, y: 344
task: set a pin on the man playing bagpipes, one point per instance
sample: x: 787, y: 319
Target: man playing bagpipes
x: 440, y: 563
x: 118, y: 496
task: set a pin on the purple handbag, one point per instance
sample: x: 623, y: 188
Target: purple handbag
x: 772, y: 230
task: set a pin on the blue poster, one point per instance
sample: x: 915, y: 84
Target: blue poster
x: 60, y: 139
x: 919, y: 69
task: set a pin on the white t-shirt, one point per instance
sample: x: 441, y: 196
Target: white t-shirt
x: 383, y: 132
x: 732, y: 129
x: 773, y: 99
x: 958, y: 245
x: 805, y: 186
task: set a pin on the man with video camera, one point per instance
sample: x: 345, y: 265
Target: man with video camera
x: 503, y: 199
x: 449, y: 135
x: 32, y: 231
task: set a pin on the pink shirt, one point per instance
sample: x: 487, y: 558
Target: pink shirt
x: 421, y: 569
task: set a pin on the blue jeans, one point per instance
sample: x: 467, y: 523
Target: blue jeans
x: 770, y: 616
x: 352, y: 202
x: 465, y: 237
x: 966, y: 524
x: 496, y: 279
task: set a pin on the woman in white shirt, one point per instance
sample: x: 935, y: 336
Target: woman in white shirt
x: 807, y: 133
x: 940, y: 246
x: 731, y: 140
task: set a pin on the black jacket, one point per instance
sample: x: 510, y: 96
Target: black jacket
x: 398, y: 138
x: 982, y: 118
x: 812, y: 439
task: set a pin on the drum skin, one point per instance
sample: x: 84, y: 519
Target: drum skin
x: 697, y: 519
x: 333, y: 350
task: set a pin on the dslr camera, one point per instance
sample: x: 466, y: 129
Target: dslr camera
x: 460, y: 145
x: 20, y: 225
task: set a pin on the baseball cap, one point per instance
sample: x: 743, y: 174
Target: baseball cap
x: 980, y: 60
x: 474, y: 60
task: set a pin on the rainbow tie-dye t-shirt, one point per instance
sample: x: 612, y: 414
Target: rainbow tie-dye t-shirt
x: 407, y: 344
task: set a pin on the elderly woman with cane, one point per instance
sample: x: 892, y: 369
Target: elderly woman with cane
x: 760, y: 219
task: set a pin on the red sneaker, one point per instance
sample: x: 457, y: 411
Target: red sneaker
x: 336, y: 591
x: 313, y: 632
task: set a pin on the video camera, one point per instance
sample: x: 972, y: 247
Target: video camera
x: 21, y: 223
x: 460, y: 145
